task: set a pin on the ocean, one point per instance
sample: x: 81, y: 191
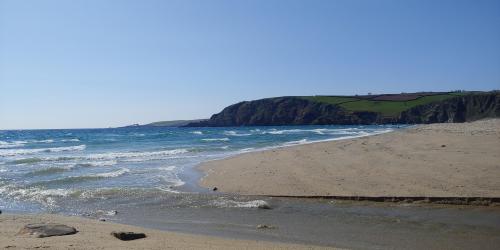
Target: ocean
x: 48, y: 170
x: 147, y: 176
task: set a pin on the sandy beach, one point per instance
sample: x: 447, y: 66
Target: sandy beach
x: 93, y: 234
x: 437, y: 160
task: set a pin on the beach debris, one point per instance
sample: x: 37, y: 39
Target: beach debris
x: 443, y: 146
x: 128, y: 235
x: 102, y: 219
x: 264, y: 226
x: 42, y: 230
x: 215, y: 189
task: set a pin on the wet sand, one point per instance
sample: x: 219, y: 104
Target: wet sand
x: 437, y: 160
x: 342, y: 224
x: 198, y: 223
x: 93, y: 234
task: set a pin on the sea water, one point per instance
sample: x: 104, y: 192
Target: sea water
x: 69, y: 169
x: 147, y: 177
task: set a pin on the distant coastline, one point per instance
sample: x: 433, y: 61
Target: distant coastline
x: 173, y: 123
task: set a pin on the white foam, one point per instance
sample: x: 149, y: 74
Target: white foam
x: 319, y: 131
x: 45, y: 141
x: 246, y: 150
x: 119, y: 155
x: 45, y: 197
x: 169, y: 168
x: 172, y: 179
x: 234, y: 133
x: 14, y: 144
x: 216, y: 139
x: 70, y: 140
x: 175, y: 182
x: 116, y: 173
x: 280, y: 132
x: 356, y: 135
x: 61, y: 149
x: 225, y: 203
x: 21, y: 143
x: 99, y: 163
x: 196, y: 132
x: 303, y: 141
x: 13, y: 152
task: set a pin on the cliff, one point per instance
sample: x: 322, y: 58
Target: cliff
x: 376, y: 109
x: 458, y: 109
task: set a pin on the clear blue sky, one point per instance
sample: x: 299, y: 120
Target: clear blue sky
x: 97, y: 63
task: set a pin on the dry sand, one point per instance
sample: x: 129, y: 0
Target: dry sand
x: 96, y: 235
x: 427, y: 160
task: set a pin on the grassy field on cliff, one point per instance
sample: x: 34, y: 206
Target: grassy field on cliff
x: 387, y: 105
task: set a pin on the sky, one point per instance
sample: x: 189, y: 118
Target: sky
x: 104, y: 63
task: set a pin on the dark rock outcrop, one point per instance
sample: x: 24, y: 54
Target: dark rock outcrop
x: 299, y: 111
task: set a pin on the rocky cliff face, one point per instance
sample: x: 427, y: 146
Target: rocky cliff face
x: 285, y: 111
x: 458, y: 109
x: 298, y: 111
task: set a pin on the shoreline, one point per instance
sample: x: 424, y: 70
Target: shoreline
x: 472, y: 201
x: 296, y: 221
x: 94, y: 234
x: 438, y: 147
x: 202, y: 173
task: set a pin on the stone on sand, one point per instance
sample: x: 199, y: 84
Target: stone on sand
x: 41, y: 230
x: 128, y: 235
x: 264, y: 226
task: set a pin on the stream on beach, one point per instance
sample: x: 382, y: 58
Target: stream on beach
x: 147, y: 176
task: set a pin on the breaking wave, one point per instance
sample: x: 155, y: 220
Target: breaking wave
x: 21, y: 143
x: 13, y: 144
x: 97, y: 163
x: 70, y: 140
x: 82, y: 178
x: 46, y: 197
x: 14, y: 152
x: 234, y: 133
x: 120, y: 155
x: 303, y: 141
x: 216, y: 139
